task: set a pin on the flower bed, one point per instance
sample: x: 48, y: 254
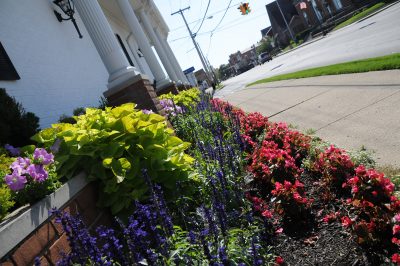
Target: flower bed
x: 258, y: 193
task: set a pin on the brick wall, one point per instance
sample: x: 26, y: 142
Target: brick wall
x: 49, y: 240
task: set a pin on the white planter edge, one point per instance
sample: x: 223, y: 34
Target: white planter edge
x: 16, y: 229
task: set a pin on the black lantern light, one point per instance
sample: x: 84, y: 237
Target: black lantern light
x: 67, y: 6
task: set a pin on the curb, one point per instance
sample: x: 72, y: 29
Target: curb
x: 370, y: 15
x: 303, y: 44
x: 377, y: 11
x: 358, y: 21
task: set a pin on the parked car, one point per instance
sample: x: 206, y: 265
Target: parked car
x: 264, y: 57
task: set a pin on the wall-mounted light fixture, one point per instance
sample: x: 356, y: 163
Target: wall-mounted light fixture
x: 140, y: 53
x: 67, y: 6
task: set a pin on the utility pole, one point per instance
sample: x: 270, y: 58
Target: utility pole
x: 205, y: 66
x: 284, y: 19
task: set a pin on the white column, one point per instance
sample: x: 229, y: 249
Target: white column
x: 159, y: 48
x: 171, y: 57
x: 106, y: 44
x: 140, y: 36
x: 134, y: 53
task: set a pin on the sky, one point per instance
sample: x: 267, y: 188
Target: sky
x: 235, y: 33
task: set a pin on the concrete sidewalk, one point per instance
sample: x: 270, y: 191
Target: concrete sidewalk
x: 349, y: 110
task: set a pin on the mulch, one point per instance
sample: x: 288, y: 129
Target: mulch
x: 310, y: 241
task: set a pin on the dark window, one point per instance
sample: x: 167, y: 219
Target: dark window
x: 7, y: 70
x: 124, y: 49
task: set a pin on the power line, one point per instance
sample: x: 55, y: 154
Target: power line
x: 227, y: 26
x: 194, y: 21
x: 230, y: 2
x: 204, y: 17
x: 198, y: 21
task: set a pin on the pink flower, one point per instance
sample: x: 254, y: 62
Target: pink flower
x: 287, y: 185
x: 279, y: 230
x: 346, y: 221
x: 396, y: 241
x: 267, y: 214
x: 397, y: 217
x: 279, y: 260
x: 396, y: 258
x: 374, y: 193
x: 396, y: 229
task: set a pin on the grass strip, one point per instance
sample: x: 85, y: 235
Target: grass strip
x: 365, y: 65
x: 360, y: 15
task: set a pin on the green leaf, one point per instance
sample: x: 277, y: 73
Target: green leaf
x: 119, y: 168
x: 107, y: 162
x: 45, y: 136
x: 113, y: 149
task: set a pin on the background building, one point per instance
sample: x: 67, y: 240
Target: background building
x: 283, y: 14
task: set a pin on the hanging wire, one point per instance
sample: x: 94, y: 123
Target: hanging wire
x: 204, y: 17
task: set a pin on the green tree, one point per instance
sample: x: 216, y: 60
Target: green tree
x: 266, y: 45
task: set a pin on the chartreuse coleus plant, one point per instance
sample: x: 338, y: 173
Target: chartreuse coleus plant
x: 113, y: 145
x: 185, y: 98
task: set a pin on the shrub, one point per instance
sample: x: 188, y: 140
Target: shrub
x: 112, y: 145
x: 185, y: 98
x: 6, y: 201
x: 253, y: 126
x: 70, y: 119
x: 290, y: 199
x: 294, y: 142
x: 334, y: 166
x: 271, y: 164
x: 374, y: 204
x: 66, y: 119
x: 16, y: 125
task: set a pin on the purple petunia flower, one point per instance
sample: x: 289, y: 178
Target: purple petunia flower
x: 147, y: 112
x: 12, y: 150
x: 15, y: 181
x: 170, y: 108
x: 43, y: 156
x: 38, y: 173
x: 21, y: 165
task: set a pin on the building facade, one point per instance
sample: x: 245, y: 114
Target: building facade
x: 124, y: 41
x: 285, y: 21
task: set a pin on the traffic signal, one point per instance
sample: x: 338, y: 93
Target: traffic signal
x: 244, y: 8
x: 247, y: 8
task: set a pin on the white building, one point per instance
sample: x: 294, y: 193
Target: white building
x: 124, y: 42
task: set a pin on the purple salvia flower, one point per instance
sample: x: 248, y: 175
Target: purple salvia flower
x: 38, y: 173
x: 43, y: 157
x: 223, y: 256
x: 192, y: 237
x: 15, y: 181
x: 113, y: 247
x: 56, y: 146
x: 12, y: 150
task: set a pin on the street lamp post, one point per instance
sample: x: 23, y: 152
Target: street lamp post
x: 284, y: 19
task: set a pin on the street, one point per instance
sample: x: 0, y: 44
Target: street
x: 376, y: 36
x: 351, y: 110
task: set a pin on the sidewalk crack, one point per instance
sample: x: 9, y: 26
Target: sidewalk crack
x: 358, y: 110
